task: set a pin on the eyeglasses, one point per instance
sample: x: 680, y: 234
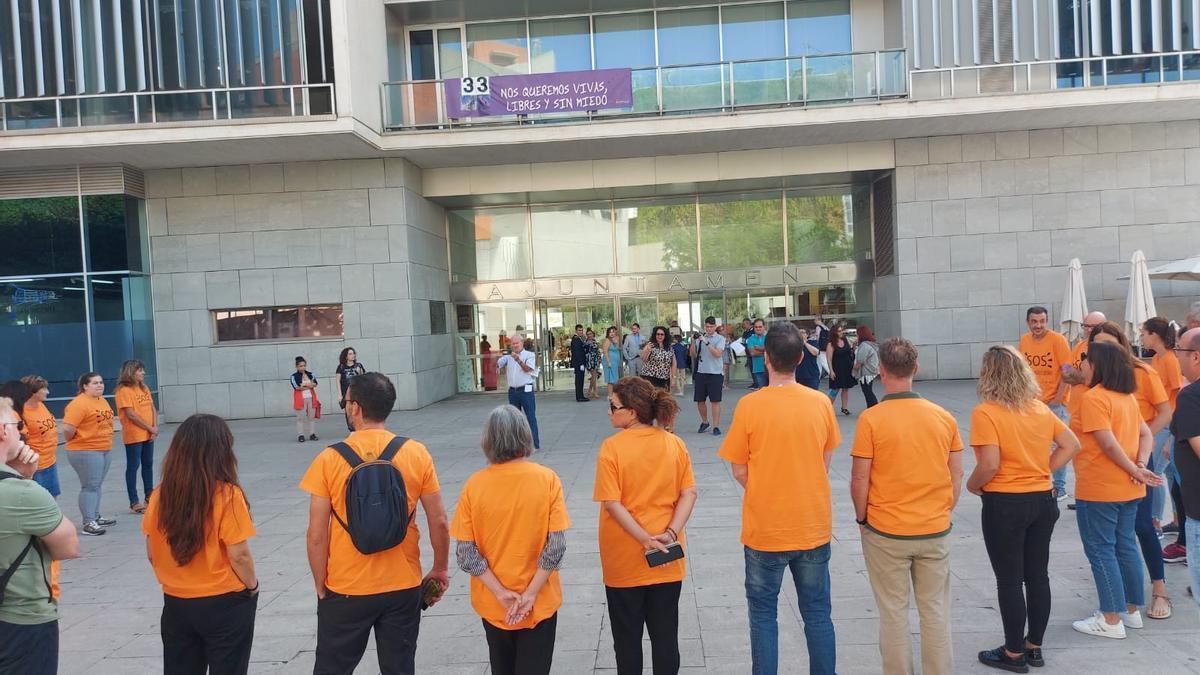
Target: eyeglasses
x: 1090, y: 326
x: 613, y: 407
x: 1178, y: 349
x: 19, y: 424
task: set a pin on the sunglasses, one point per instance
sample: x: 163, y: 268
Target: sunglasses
x: 613, y: 407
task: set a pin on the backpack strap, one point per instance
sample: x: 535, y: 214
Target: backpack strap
x: 393, y: 447
x: 12, y: 569
x: 347, y: 454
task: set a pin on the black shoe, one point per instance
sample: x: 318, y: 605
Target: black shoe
x: 1170, y: 528
x: 703, y: 427
x: 716, y: 431
x: 300, y: 438
x: 312, y: 437
x: 582, y: 400
x: 1071, y: 506
x: 997, y: 658
x: 1033, y: 656
x: 845, y: 412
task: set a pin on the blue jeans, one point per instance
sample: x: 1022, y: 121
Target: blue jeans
x: 1143, y: 525
x: 1193, y: 532
x: 1060, y: 477
x: 91, y: 466
x: 1162, y: 468
x: 1107, y: 531
x: 524, y: 401
x: 764, y: 576
x: 139, y: 454
x: 48, y: 478
x: 29, y: 649
x: 760, y: 379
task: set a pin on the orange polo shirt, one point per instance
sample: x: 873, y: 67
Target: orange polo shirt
x: 508, y: 510
x: 41, y: 432
x: 1047, y: 357
x: 1167, y: 365
x: 1098, y: 478
x: 399, y: 568
x: 909, y: 441
x: 141, y: 402
x: 209, y: 572
x: 93, y: 422
x: 782, y: 434
x: 645, y: 470
x: 1024, y: 438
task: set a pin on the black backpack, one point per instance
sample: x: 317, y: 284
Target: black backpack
x: 377, y: 514
x: 12, y: 569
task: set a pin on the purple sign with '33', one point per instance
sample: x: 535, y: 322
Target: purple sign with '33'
x: 577, y: 91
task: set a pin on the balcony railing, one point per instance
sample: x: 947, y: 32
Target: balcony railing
x: 152, y: 107
x: 1054, y: 75
x: 718, y: 87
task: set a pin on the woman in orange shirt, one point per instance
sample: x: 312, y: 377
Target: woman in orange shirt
x: 1010, y: 431
x: 511, y: 523
x: 1110, y: 478
x: 88, y: 428
x: 139, y: 428
x: 197, y: 525
x: 41, y: 431
x: 646, y: 490
x: 1157, y: 334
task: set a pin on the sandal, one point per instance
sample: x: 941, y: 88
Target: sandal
x: 845, y: 412
x: 138, y: 508
x: 1162, y: 616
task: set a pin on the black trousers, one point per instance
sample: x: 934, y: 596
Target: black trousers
x: 868, y: 390
x: 528, y: 651
x: 1016, y: 531
x: 28, y: 649
x: 208, y: 635
x: 344, y: 623
x: 1180, y: 510
x: 578, y: 383
x: 657, y: 608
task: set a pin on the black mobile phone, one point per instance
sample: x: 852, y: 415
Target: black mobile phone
x: 656, y: 557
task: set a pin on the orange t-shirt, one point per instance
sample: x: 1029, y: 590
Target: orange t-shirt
x: 1024, y: 438
x: 1097, y: 478
x: 645, y: 470
x: 398, y: 568
x: 909, y: 441
x: 1167, y: 366
x: 142, y: 402
x: 1077, y: 390
x: 93, y: 422
x: 1047, y: 357
x: 782, y: 434
x: 508, y: 510
x: 208, y: 573
x: 1150, y: 391
x: 41, y: 432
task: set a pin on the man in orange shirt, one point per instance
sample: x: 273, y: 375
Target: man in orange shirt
x: 779, y: 446
x: 905, y: 482
x: 1049, y: 355
x: 355, y: 591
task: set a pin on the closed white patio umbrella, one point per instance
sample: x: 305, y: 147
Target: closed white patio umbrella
x: 1139, y: 302
x: 1074, y: 302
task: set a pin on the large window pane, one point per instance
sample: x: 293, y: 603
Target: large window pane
x: 489, y: 245
x: 41, y: 236
x: 657, y: 236
x: 124, y: 325
x: 820, y: 228
x: 572, y: 240
x: 818, y: 27
x: 116, y: 239
x: 755, y: 32
x: 43, y: 331
x: 627, y: 41
x: 741, y: 230
x: 560, y: 45
x: 687, y: 37
x: 497, y: 49
x: 279, y: 323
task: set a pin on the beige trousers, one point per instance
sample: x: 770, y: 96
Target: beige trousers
x: 305, y: 423
x: 896, y: 566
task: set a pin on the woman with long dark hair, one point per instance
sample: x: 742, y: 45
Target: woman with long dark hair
x: 88, y: 428
x: 348, y: 368
x: 197, y: 525
x: 841, y: 365
x: 1010, y: 431
x: 658, y: 361
x: 139, y: 428
x: 646, y: 490
x: 1110, y: 478
x: 1157, y: 334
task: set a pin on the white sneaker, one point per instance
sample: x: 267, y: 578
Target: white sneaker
x: 1096, y: 625
x: 1131, y: 620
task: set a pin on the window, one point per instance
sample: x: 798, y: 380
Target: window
x: 281, y: 323
x: 497, y: 49
x: 820, y: 228
x: 658, y: 236
x: 572, y: 240
x: 489, y: 245
x: 818, y: 27
x: 560, y: 45
x: 437, y: 317
x: 741, y: 230
x: 41, y: 236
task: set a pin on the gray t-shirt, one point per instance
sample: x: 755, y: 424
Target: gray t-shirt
x: 26, y: 509
x: 709, y: 364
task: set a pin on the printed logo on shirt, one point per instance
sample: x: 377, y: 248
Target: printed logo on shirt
x: 1045, y: 360
x: 103, y: 416
x: 45, y: 425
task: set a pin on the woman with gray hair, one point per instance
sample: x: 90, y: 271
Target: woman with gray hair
x: 511, y: 524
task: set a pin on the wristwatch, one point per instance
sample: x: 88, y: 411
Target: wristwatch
x: 861, y: 522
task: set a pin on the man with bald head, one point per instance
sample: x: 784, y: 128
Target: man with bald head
x: 1185, y: 428
x: 1193, y: 316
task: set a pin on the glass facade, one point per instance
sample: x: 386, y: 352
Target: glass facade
x: 74, y: 290
x: 565, y: 259
x: 92, y: 63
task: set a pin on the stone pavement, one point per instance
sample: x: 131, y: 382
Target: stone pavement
x: 111, y: 601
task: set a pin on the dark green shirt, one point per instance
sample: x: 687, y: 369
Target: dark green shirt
x: 26, y: 510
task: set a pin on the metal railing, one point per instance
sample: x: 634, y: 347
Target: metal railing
x: 205, y: 105
x: 721, y: 86
x: 1055, y: 75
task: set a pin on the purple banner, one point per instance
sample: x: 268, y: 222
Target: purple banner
x: 577, y: 91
